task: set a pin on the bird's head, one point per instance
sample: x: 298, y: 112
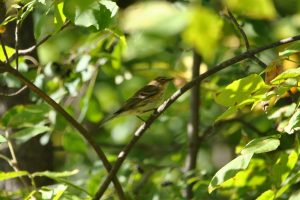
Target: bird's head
x: 160, y: 80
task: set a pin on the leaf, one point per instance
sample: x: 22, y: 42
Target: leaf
x: 229, y: 171
x: 90, y: 13
x: 10, y: 175
x: 27, y: 133
x: 256, y: 9
x: 262, y: 145
x: 290, y: 50
x: 59, y: 17
x: 247, y: 89
x: 72, y: 142
x: 20, y: 116
x: 154, y: 17
x: 267, y: 195
x: 293, y: 123
x: 10, y: 51
x: 284, y: 165
x: 229, y: 112
x: 203, y: 34
x: 56, y: 174
x: 59, y: 191
x: 2, y: 139
x: 290, y: 73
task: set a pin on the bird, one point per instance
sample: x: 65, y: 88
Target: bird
x: 144, y: 100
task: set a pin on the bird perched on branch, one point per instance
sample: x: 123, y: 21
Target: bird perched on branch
x: 144, y: 100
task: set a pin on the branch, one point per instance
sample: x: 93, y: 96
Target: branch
x: 7, y: 68
x: 193, y: 125
x: 245, y: 38
x: 14, y: 93
x: 141, y: 130
x: 17, y: 39
x: 34, y: 47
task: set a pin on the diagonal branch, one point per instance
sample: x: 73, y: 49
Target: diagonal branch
x: 34, y: 47
x: 7, y: 68
x: 245, y: 38
x: 141, y: 130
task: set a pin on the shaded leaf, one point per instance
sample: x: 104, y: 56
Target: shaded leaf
x: 229, y: 112
x: 229, y: 171
x: 56, y: 174
x: 284, y: 165
x: 27, y: 133
x: 97, y: 14
x: 290, y: 73
x: 262, y: 145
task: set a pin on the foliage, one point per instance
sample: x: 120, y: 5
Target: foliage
x: 93, y: 55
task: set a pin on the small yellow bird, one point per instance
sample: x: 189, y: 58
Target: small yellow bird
x: 144, y: 100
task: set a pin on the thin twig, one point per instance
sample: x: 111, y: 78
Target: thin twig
x: 17, y: 40
x: 14, y: 162
x: 141, y: 130
x: 4, y: 49
x: 34, y: 47
x: 193, y: 125
x: 7, y: 68
x: 13, y: 93
x: 245, y: 38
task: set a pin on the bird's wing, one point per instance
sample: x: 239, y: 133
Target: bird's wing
x: 138, y: 97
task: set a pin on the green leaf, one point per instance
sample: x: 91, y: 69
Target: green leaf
x: 203, y: 34
x: 73, y: 142
x: 229, y: 171
x: 10, y: 51
x: 20, y: 116
x: 284, y: 165
x: 229, y: 112
x: 262, y: 145
x: 2, y: 139
x: 56, y: 174
x: 27, y: 133
x: 242, y: 91
x: 59, y: 191
x: 290, y: 73
x: 59, y: 17
x: 10, y: 175
x: 90, y: 13
x: 267, y: 195
x: 290, y: 50
x: 154, y: 17
x: 293, y: 124
x: 256, y: 9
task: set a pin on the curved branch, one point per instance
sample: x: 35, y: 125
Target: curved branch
x: 141, y: 130
x: 7, y: 68
x: 34, y: 47
x: 245, y: 38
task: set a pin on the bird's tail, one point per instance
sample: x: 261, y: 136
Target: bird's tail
x: 106, y: 119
